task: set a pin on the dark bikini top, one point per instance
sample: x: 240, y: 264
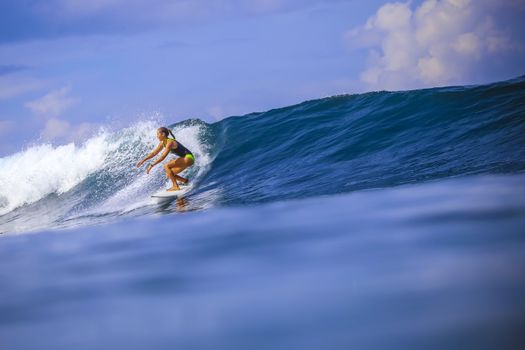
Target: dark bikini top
x: 181, y: 151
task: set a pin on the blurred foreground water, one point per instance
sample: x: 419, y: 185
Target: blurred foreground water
x: 435, y: 265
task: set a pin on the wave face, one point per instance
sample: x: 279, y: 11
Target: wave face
x: 322, y: 147
x: 374, y: 140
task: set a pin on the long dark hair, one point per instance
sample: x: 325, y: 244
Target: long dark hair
x: 166, y: 132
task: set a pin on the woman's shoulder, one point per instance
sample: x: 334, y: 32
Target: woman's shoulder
x: 169, y: 141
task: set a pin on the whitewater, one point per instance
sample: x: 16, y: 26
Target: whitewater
x: 376, y: 220
x: 72, y: 183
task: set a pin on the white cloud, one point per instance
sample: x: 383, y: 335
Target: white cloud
x: 436, y: 43
x: 52, y: 104
x: 55, y: 128
x: 468, y: 44
x: 61, y: 130
x: 51, y: 107
x: 391, y: 16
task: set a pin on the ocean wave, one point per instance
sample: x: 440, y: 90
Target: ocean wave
x: 320, y: 147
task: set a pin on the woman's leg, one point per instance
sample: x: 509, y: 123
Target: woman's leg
x: 174, y: 167
x: 170, y: 175
x: 181, y: 179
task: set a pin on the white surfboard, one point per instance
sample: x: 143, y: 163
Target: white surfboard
x: 164, y: 195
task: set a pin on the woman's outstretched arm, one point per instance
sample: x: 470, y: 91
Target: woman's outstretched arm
x: 151, y: 155
x: 162, y: 157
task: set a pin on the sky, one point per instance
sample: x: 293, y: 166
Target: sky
x: 68, y: 67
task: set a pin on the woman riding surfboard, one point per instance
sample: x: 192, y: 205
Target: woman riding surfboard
x: 175, y: 166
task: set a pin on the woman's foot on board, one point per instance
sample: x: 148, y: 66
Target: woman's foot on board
x: 173, y: 189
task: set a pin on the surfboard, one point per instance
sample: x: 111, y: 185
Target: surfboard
x: 167, y: 195
x: 163, y: 196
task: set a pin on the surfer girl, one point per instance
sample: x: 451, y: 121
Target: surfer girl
x: 175, y: 166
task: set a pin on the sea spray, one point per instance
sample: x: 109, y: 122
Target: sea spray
x: 95, y: 179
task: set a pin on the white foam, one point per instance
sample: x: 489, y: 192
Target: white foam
x: 137, y: 192
x: 30, y: 175
x: 40, y: 170
x: 116, y: 187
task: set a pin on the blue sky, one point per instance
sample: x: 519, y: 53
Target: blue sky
x: 69, y: 66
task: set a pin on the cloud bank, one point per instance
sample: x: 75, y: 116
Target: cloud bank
x: 50, y: 108
x: 33, y: 19
x: 441, y: 42
x: 52, y: 104
x: 57, y: 129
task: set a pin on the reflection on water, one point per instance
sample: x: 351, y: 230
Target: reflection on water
x: 179, y: 205
x: 182, y: 204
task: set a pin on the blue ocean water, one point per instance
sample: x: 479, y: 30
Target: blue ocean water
x: 380, y: 220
